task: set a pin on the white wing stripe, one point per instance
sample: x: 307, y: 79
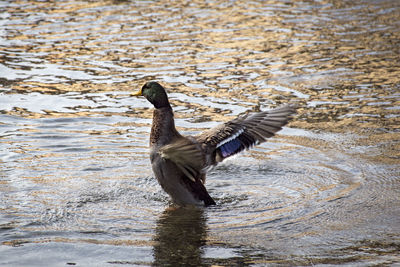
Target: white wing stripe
x: 231, y: 137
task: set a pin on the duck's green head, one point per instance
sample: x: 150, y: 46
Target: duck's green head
x: 155, y: 93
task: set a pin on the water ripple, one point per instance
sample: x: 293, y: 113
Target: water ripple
x: 75, y: 173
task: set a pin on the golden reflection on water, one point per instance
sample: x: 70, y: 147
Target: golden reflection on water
x: 343, y: 75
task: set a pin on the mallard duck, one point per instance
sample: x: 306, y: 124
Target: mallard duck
x: 180, y: 162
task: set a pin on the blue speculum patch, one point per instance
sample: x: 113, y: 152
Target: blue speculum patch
x: 230, y: 147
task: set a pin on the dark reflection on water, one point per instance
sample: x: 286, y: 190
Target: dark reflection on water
x: 75, y: 182
x: 180, y: 235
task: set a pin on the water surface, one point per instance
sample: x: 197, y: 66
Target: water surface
x: 76, y: 187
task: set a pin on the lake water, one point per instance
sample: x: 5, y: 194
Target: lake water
x: 76, y: 187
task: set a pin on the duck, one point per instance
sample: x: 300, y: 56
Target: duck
x: 180, y: 162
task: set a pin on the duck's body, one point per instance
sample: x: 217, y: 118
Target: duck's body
x: 172, y: 179
x: 180, y: 162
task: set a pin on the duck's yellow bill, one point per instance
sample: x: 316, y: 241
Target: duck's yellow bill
x: 137, y: 93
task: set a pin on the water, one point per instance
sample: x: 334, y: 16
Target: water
x: 75, y: 181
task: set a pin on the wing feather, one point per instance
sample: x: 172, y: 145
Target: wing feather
x: 243, y: 132
x: 186, y: 155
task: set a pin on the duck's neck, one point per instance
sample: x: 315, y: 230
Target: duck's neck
x: 163, y: 128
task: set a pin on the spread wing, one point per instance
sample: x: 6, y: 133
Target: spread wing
x: 193, y: 155
x: 242, y: 133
